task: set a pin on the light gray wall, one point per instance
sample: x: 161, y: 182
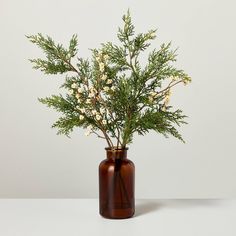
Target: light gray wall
x: 35, y: 163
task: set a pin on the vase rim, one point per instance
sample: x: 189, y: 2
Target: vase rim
x: 116, y: 148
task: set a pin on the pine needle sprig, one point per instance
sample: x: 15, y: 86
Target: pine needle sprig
x: 114, y: 95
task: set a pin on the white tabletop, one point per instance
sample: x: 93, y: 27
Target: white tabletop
x: 79, y: 217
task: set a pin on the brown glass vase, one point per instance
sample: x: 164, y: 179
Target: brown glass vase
x: 116, y: 185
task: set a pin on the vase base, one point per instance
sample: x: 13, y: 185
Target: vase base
x: 118, y: 214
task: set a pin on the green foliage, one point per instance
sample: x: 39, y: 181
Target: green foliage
x: 58, y: 103
x: 58, y: 58
x: 113, y: 95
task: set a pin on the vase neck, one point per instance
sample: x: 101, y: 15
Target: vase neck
x: 117, y: 153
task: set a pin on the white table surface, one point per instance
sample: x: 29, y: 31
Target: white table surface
x: 79, y: 217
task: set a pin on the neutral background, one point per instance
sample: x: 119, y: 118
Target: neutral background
x: 35, y: 163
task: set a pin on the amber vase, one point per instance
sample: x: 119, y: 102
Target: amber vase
x: 116, y: 185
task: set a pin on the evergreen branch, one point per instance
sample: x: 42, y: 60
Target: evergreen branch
x: 65, y: 125
x: 112, y: 93
x: 160, y: 122
x: 58, y: 58
x: 58, y: 103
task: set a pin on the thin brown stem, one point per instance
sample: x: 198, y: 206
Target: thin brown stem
x: 113, y: 119
x: 74, y: 70
x: 110, y: 144
x: 99, y: 136
x: 170, y: 85
x: 118, y: 130
x: 107, y: 139
x: 118, y: 139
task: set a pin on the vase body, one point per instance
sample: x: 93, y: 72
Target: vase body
x: 116, y: 185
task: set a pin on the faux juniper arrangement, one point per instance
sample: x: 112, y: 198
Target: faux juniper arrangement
x: 113, y: 95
